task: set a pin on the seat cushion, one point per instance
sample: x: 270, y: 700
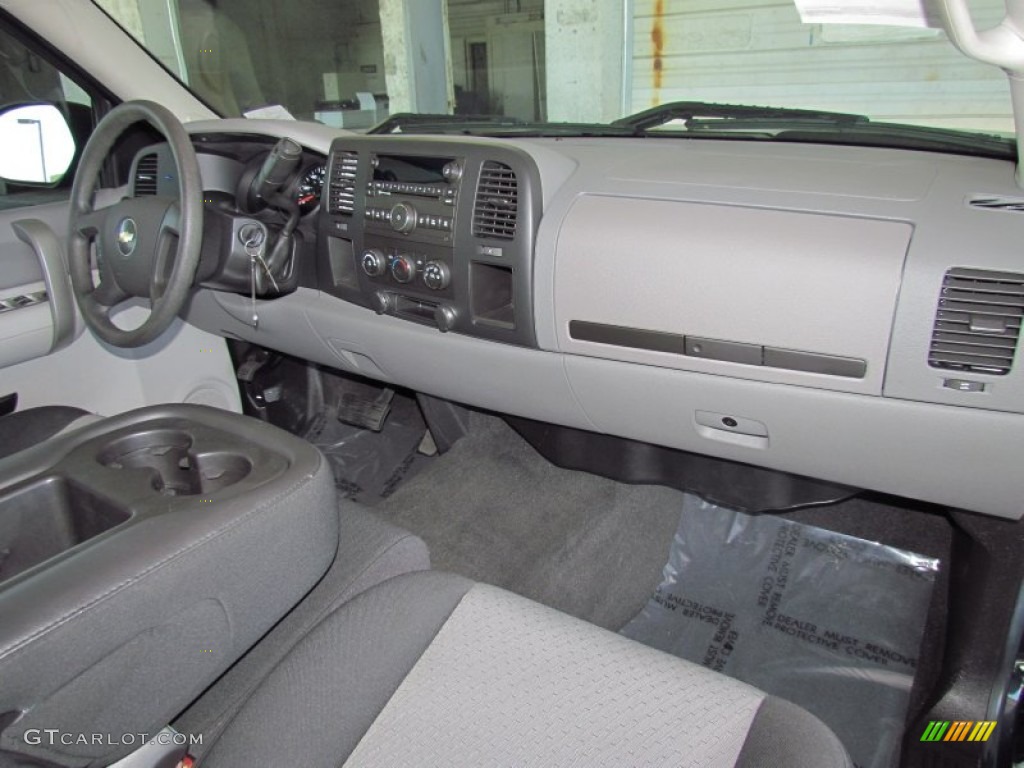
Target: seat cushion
x: 23, y: 429
x: 370, y: 551
x: 433, y: 670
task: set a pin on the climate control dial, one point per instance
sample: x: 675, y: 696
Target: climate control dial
x: 374, y: 262
x: 436, y: 275
x: 403, y: 268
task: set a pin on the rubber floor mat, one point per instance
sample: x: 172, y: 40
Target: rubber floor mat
x: 830, y: 622
x: 369, y: 465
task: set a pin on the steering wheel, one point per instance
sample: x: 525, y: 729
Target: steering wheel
x: 146, y: 247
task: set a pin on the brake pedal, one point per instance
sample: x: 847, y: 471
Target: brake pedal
x: 365, y: 406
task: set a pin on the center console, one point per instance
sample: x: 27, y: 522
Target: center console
x: 139, y: 558
x: 433, y: 232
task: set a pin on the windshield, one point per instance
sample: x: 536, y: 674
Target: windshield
x: 529, y: 63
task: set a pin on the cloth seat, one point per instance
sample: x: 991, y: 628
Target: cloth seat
x: 431, y: 669
x: 23, y: 429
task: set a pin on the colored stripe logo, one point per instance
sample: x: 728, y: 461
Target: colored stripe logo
x: 958, y: 730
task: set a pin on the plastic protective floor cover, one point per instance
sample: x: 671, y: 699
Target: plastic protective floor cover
x: 830, y: 622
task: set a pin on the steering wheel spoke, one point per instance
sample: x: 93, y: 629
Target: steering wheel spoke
x: 167, y: 239
x: 89, y: 224
x: 108, y: 293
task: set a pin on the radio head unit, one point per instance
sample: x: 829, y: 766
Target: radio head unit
x: 433, y: 182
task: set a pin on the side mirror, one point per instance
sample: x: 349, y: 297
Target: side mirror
x: 36, y: 145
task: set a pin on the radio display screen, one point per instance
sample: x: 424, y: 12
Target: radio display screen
x: 414, y: 169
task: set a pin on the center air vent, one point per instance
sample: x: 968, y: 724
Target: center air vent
x: 341, y: 193
x: 497, y: 202
x: 978, y: 321
x: 146, y: 175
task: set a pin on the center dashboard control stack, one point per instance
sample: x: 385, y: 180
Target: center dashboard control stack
x: 433, y: 232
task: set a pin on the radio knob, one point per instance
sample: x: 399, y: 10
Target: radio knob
x: 403, y: 268
x: 452, y: 172
x: 436, y: 275
x: 382, y: 302
x: 445, y: 317
x: 403, y: 218
x: 374, y: 262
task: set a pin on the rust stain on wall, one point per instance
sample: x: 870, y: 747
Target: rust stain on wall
x: 657, y: 47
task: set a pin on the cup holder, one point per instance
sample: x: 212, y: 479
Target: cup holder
x: 177, y: 469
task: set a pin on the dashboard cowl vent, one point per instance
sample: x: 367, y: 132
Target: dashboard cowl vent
x: 146, y: 171
x: 341, y: 191
x: 497, y: 202
x: 978, y: 321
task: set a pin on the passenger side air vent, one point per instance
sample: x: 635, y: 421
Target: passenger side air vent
x: 497, y: 202
x: 999, y: 203
x: 146, y: 175
x: 978, y: 321
x: 341, y: 193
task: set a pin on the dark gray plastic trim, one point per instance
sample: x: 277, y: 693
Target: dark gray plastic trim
x: 728, y: 351
x: 795, y: 360
x: 715, y: 349
x: 620, y: 336
x: 460, y: 249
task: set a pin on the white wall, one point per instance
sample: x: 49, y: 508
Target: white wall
x: 513, y: 32
x: 758, y: 52
x: 585, y: 54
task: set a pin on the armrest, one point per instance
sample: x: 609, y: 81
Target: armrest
x: 218, y: 539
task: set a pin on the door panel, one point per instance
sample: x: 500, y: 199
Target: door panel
x: 26, y: 323
x: 184, y: 365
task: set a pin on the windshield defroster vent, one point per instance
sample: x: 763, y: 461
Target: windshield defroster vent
x: 341, y: 197
x: 146, y: 175
x: 497, y: 202
x: 978, y: 321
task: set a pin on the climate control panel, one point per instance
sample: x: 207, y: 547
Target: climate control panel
x: 394, y: 264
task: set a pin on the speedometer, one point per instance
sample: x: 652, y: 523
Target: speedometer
x: 310, y: 186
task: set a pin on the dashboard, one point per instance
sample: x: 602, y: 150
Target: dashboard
x: 843, y: 313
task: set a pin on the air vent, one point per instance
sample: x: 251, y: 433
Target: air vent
x: 497, y: 202
x: 978, y: 321
x: 146, y: 175
x: 342, y: 189
x: 999, y: 203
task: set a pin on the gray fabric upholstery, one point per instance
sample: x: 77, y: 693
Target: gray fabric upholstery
x: 370, y: 552
x: 785, y: 736
x: 511, y: 682
x: 431, y: 670
x: 23, y: 429
x: 320, y: 700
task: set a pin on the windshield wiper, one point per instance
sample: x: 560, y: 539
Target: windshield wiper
x: 719, y: 121
x: 411, y: 122
x: 811, y: 126
x: 900, y: 136
x: 705, y: 113
x: 494, y: 126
